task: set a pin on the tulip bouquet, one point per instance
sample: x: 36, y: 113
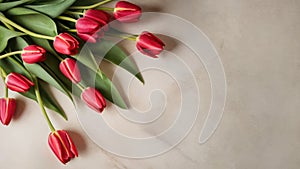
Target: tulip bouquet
x: 40, y: 42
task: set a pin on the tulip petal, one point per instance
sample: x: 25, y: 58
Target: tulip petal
x: 88, y: 29
x: 70, y: 69
x: 62, y: 145
x: 127, y: 12
x: 56, y: 146
x: 88, y: 38
x: 86, y: 25
x: 64, y: 43
x: 149, y: 44
x: 73, y: 148
x: 62, y: 135
x: 94, y: 99
x: 10, y: 107
x: 147, y: 52
x: 98, y: 15
x: 33, y: 53
x: 2, y: 109
x: 17, y: 82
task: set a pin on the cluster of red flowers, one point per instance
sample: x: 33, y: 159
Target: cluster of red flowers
x: 90, y: 28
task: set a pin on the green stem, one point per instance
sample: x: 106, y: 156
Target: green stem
x: 74, y: 13
x: 48, y: 69
x: 40, y: 101
x: 65, y: 18
x: 78, y: 84
x: 28, y: 32
x: 62, y: 25
x: 72, y: 30
x: 2, y: 73
x: 20, y: 66
x: 90, y: 6
x: 6, y: 91
x: 59, y: 57
x: 132, y: 38
x: 99, y: 72
x: 81, y: 87
x: 3, y: 76
x: 129, y: 37
x: 8, y: 26
x: 106, y: 8
x: 10, y: 54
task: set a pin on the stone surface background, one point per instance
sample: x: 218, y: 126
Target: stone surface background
x: 259, y: 44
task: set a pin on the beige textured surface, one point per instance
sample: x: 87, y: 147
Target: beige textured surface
x: 259, y: 44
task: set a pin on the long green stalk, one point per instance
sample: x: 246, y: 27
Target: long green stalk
x: 40, y: 101
x: 90, y: 6
x: 28, y: 32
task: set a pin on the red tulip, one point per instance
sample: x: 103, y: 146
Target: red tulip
x: 92, y: 25
x: 127, y: 12
x: 17, y: 82
x: 33, y: 53
x: 149, y: 44
x: 70, y: 69
x: 66, y: 44
x: 7, y: 109
x: 94, y: 99
x: 62, y: 145
x: 98, y: 15
x: 88, y: 29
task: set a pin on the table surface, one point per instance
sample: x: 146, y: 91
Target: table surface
x: 259, y: 45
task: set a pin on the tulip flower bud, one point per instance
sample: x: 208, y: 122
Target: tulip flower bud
x: 7, y: 110
x: 66, y: 44
x: 127, y: 12
x: 70, y: 69
x: 33, y: 53
x: 88, y: 29
x: 18, y: 83
x: 94, y: 99
x: 149, y: 44
x: 98, y: 15
x: 62, y: 145
x: 92, y: 25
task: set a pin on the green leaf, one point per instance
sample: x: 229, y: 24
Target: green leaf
x: 52, y: 64
x: 5, y: 35
x: 85, y: 3
x: 41, y: 70
x: 116, y: 56
x: 7, y: 5
x: 104, y: 85
x: 43, y: 43
x: 86, y: 57
x: 51, y: 61
x: 52, y: 8
x: 33, y: 21
x: 48, y: 101
x: 17, y: 43
x: 94, y: 77
x: 67, y: 83
x: 12, y: 65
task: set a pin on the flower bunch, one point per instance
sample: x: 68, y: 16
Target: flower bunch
x: 41, y: 45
